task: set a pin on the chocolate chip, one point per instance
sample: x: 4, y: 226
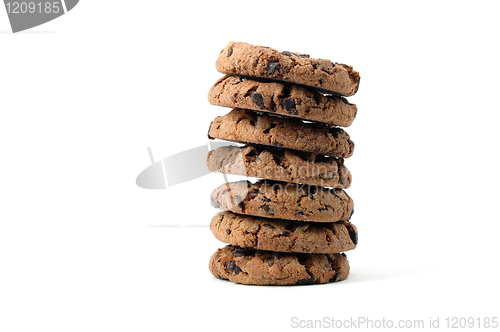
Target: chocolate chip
x: 293, y: 227
x: 242, y: 252
x: 287, y: 53
x: 302, y: 258
x: 233, y: 268
x: 270, y: 261
x: 252, y: 152
x: 257, y: 99
x: 228, y: 231
x: 335, y: 277
x: 312, y: 190
x: 306, y: 281
x: 272, y: 67
x: 329, y: 237
x: 269, y: 226
x: 252, y: 194
x: 338, y: 274
x: 357, y: 86
x: 275, y: 186
x: 289, y: 106
x: 267, y: 208
x: 239, y: 202
x: 280, y: 153
x: 335, y: 130
x: 353, y: 235
x: 327, y: 176
x: 230, y: 51
x: 273, y: 125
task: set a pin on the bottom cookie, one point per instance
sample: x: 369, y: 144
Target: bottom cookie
x: 284, y: 235
x: 258, y: 267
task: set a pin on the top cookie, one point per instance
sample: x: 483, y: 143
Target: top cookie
x: 264, y: 62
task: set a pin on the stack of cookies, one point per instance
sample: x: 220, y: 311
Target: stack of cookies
x: 290, y: 225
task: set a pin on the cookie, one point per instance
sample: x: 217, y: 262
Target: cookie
x: 284, y: 235
x: 283, y: 200
x: 247, y: 126
x: 280, y: 165
x: 257, y: 267
x: 264, y: 62
x: 283, y: 99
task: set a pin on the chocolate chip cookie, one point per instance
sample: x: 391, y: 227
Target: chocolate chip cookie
x: 283, y: 201
x: 280, y: 165
x: 250, y: 127
x: 284, y: 235
x: 264, y: 62
x: 283, y: 99
x: 257, y: 267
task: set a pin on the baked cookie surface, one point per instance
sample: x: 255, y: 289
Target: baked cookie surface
x: 280, y: 165
x: 283, y: 99
x: 284, y: 235
x: 264, y: 62
x: 247, y: 126
x: 283, y: 200
x: 257, y: 267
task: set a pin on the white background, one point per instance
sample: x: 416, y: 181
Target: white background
x: 82, y: 248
